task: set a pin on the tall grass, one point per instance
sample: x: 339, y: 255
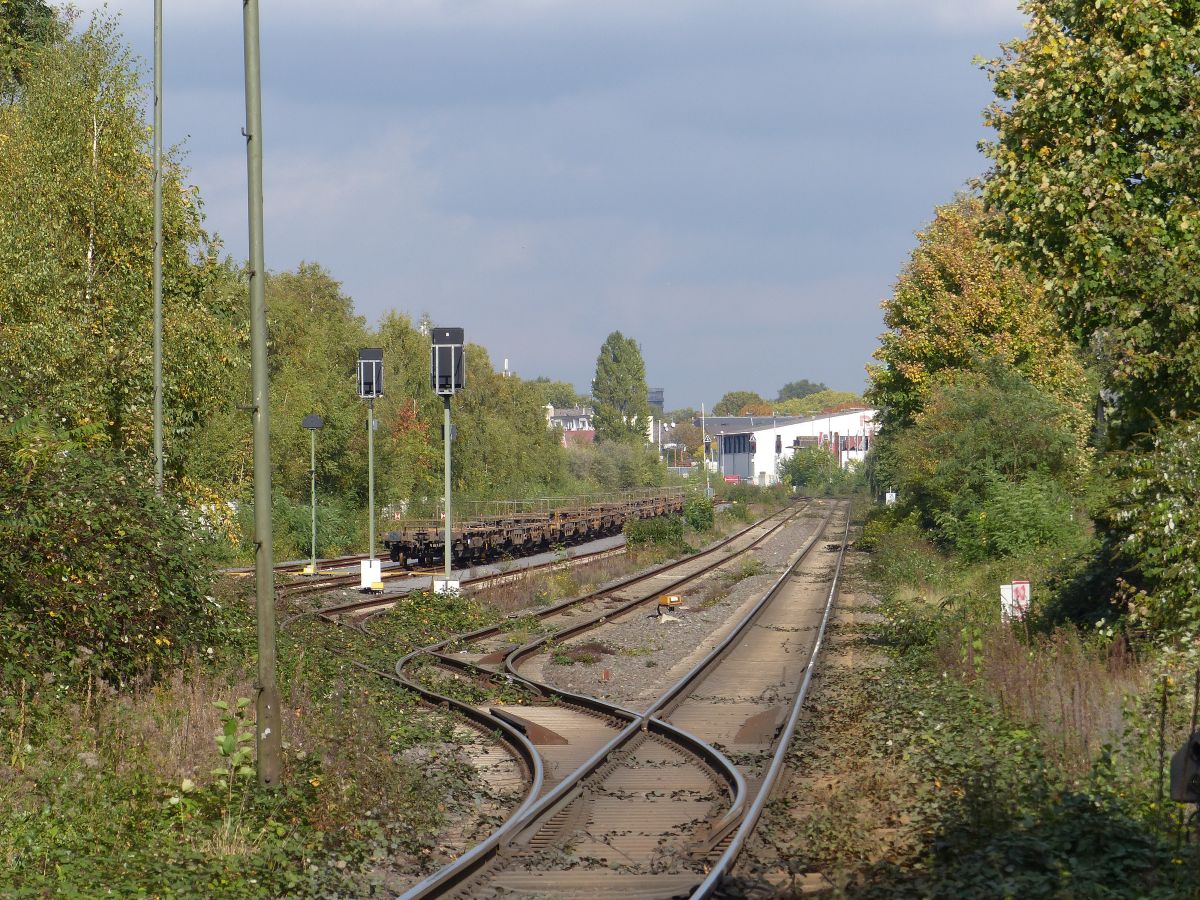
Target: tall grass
x: 1072, y: 690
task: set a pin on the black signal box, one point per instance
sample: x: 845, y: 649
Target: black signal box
x: 447, y: 361
x: 370, y: 373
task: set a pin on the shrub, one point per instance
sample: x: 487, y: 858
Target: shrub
x: 664, y: 531
x: 813, y: 469
x: 1156, y: 511
x: 1014, y: 517
x: 698, y: 513
x: 977, y: 427
x: 98, y: 575
x: 341, y: 527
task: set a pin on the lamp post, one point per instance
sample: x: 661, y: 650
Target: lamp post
x: 313, y: 423
x: 447, y: 376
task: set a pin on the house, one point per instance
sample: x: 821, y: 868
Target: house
x: 577, y: 423
x: 750, y: 448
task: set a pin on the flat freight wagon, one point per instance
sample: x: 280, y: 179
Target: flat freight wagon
x: 523, y: 531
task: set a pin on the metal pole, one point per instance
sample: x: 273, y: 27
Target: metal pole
x: 158, y: 367
x: 371, y: 476
x: 267, y: 736
x: 449, y: 548
x: 704, y: 451
x: 312, y: 474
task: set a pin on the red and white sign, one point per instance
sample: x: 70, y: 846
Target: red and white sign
x: 1014, y: 600
x: 732, y: 479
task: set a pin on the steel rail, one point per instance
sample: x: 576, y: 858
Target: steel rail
x: 724, y: 863
x: 467, y: 864
x: 648, y: 720
x: 662, y: 704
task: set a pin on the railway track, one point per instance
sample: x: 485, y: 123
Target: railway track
x: 639, y: 802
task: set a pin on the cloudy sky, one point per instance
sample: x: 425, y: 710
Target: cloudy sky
x: 735, y: 185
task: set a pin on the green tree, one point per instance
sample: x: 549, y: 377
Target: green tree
x: 953, y: 304
x: 980, y: 431
x: 822, y: 401
x: 24, y: 25
x: 315, y: 337
x: 1097, y: 190
x: 503, y: 449
x: 734, y: 401
x: 75, y: 257
x: 558, y: 393
x: 794, y: 390
x: 619, y: 389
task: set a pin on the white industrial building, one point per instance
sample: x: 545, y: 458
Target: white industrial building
x: 750, y: 448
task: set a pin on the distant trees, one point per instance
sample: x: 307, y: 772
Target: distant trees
x: 619, y: 390
x: 734, y: 401
x: 689, y: 437
x: 821, y: 401
x: 794, y: 390
x: 556, y: 393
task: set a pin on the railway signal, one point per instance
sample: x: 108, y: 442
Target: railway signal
x: 370, y: 386
x: 447, y: 376
x: 312, y: 424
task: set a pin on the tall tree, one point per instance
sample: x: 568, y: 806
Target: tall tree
x: 794, y: 390
x: 733, y: 402
x: 558, y: 393
x: 619, y: 389
x: 1097, y: 188
x: 953, y: 305
x: 75, y: 256
x: 24, y: 26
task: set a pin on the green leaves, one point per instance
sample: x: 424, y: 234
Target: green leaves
x: 1096, y: 188
x: 955, y: 304
x: 619, y: 389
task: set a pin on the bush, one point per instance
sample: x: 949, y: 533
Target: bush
x: 811, y: 469
x: 1156, y: 512
x: 664, y: 531
x: 979, y: 426
x: 698, y: 512
x: 98, y: 575
x: 1013, y: 518
x: 341, y: 527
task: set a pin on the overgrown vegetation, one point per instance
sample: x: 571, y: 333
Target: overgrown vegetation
x: 1027, y: 753
x: 99, y: 577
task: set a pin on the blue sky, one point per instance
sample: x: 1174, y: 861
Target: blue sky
x: 734, y: 185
